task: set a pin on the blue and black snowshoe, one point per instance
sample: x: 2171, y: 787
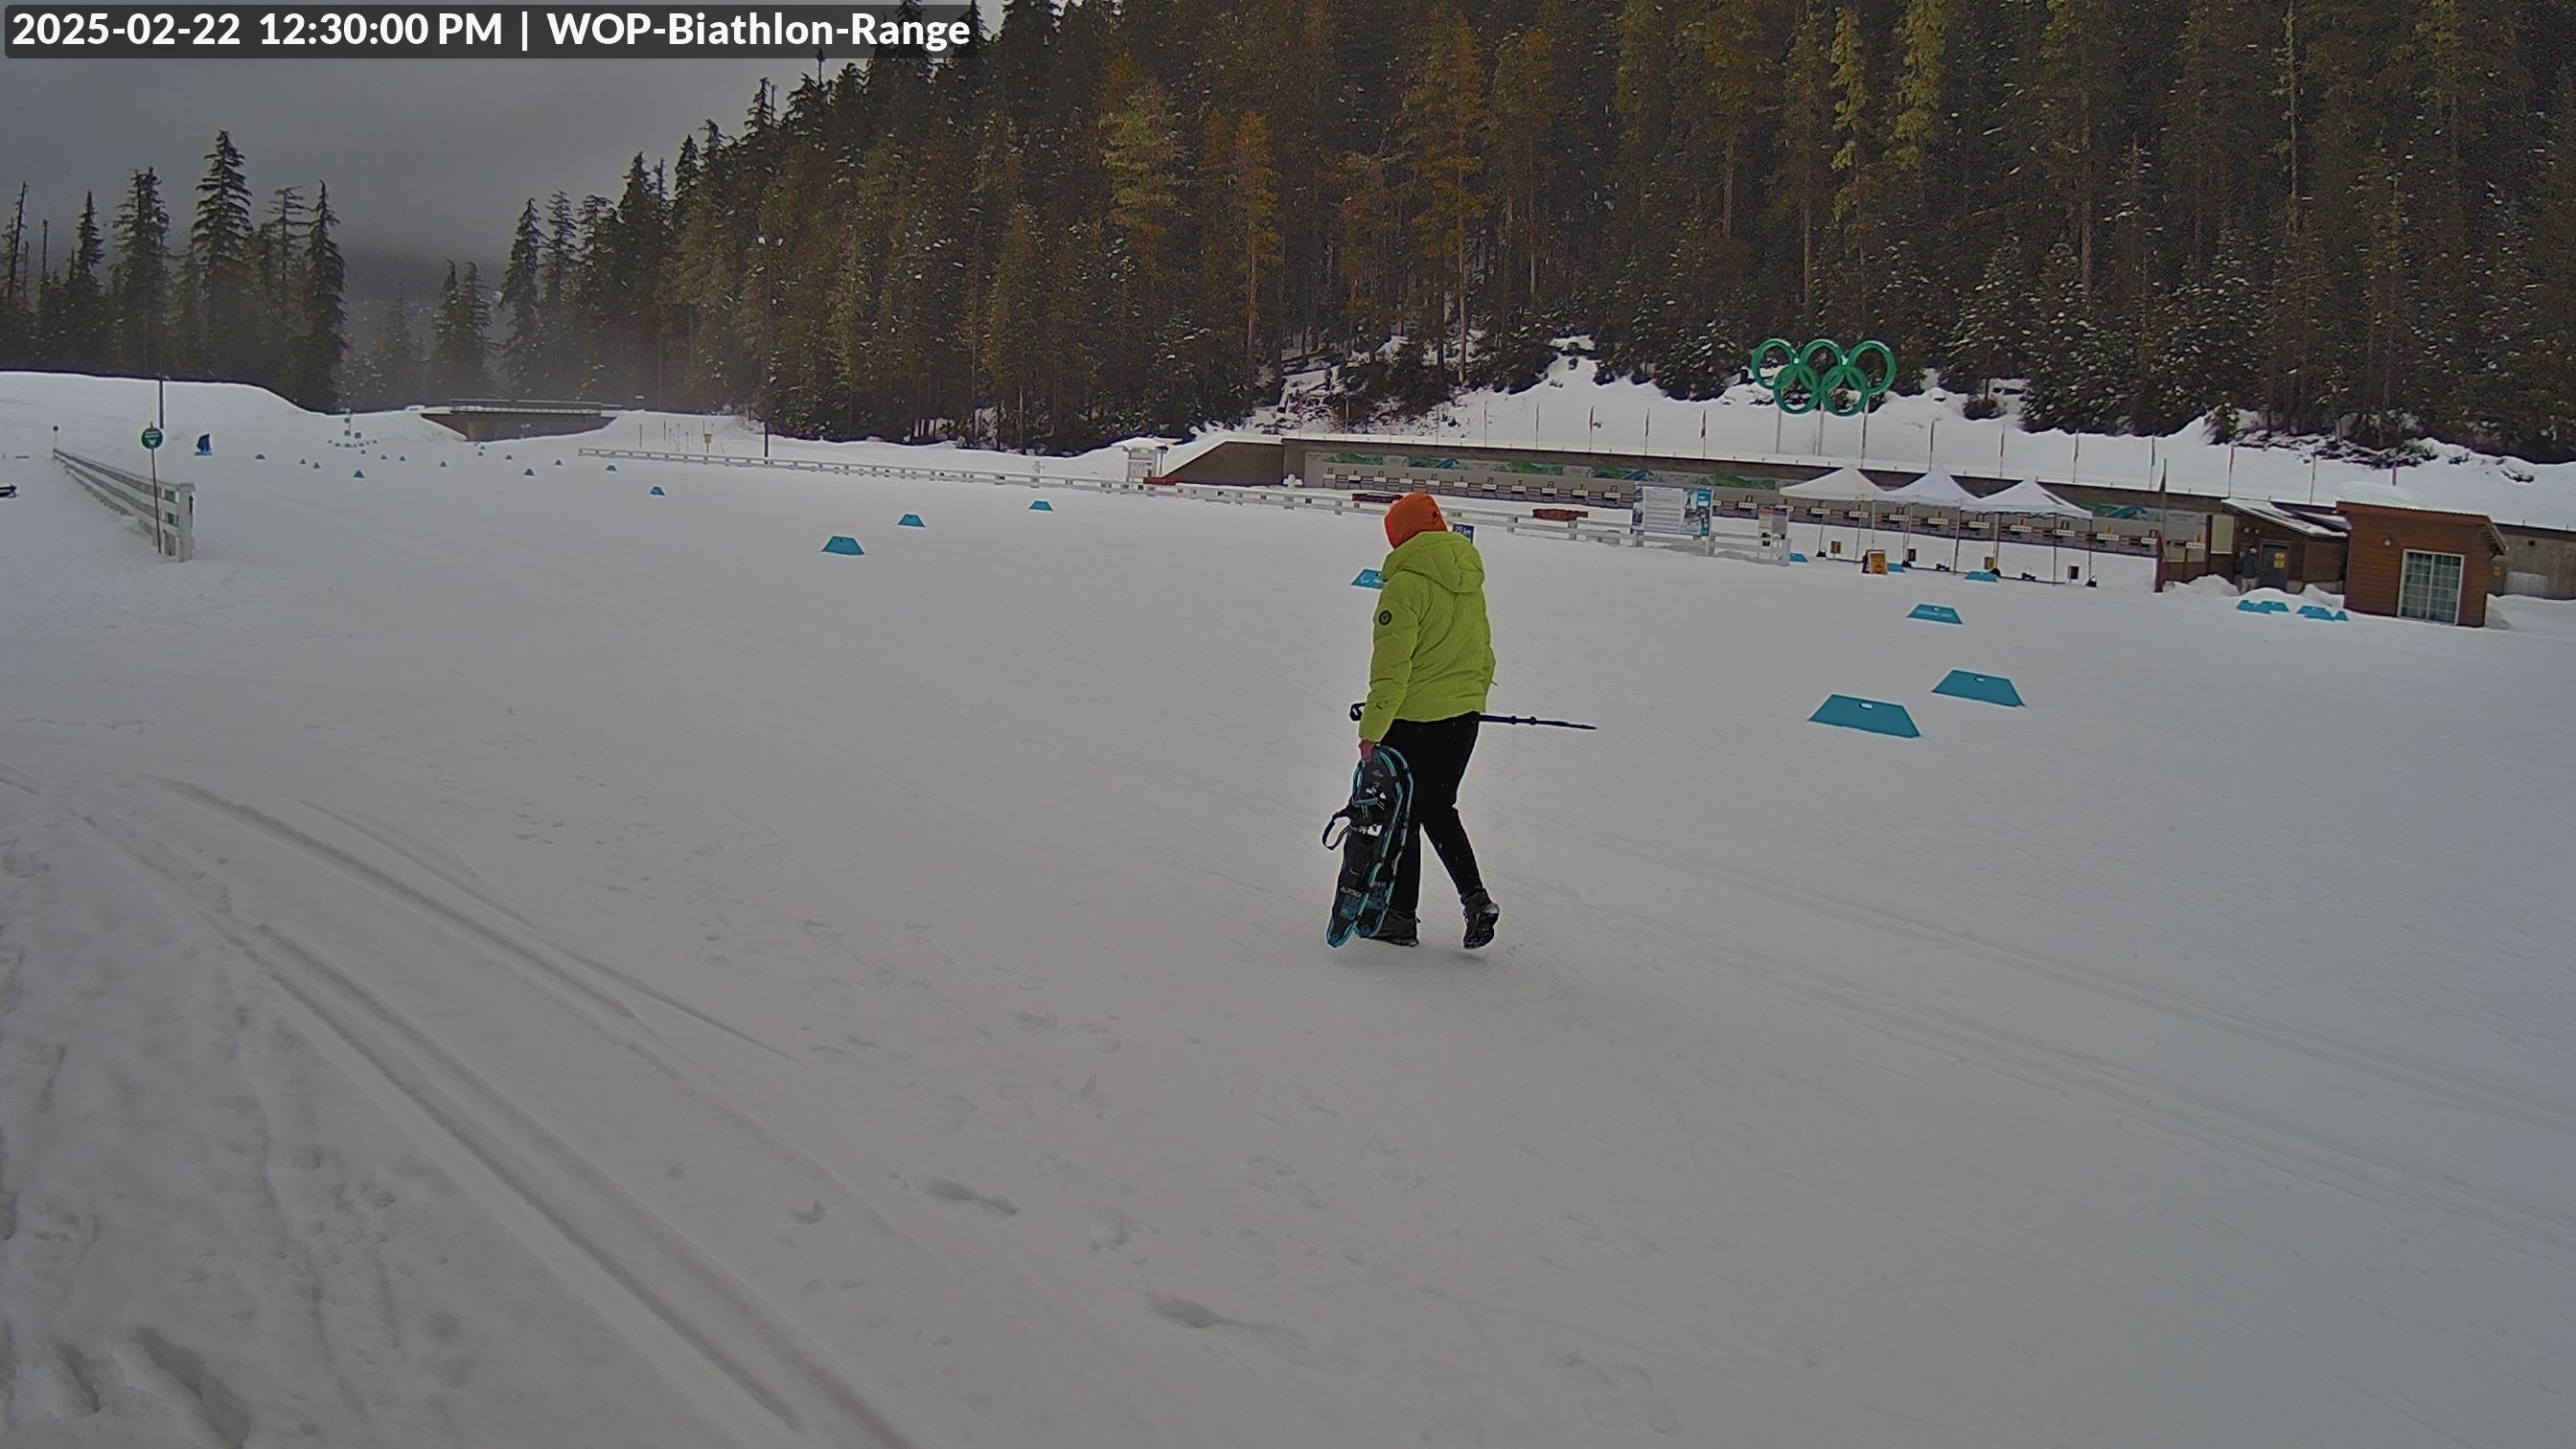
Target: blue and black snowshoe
x: 1371, y: 833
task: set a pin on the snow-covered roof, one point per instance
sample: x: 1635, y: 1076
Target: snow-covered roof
x: 1843, y: 485
x: 2379, y: 493
x: 2283, y: 518
x: 1936, y: 487
x: 2028, y: 497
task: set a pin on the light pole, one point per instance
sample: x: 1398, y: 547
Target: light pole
x: 769, y: 325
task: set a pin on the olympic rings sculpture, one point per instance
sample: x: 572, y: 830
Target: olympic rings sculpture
x: 1824, y: 375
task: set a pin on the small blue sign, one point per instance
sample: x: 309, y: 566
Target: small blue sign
x: 1876, y: 716
x: 1984, y: 688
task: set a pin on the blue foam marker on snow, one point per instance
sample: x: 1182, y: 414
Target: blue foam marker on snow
x: 910, y: 520
x: 2315, y: 611
x: 442, y: 462
x: 402, y: 457
x: 1797, y: 558
x: 2261, y: 606
x: 361, y: 473
x: 1987, y: 688
x: 259, y: 457
x: 1937, y: 613
x: 612, y: 467
x: 657, y: 491
x: 527, y: 472
x: 558, y: 462
x: 1041, y: 506
x: 1983, y: 576
x: 1874, y: 715
x: 843, y: 543
x: 1368, y: 579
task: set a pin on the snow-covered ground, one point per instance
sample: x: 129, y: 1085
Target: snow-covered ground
x: 1575, y: 407
x: 489, y: 960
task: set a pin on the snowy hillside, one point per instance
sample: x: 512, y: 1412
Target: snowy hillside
x: 1575, y: 407
x: 505, y: 960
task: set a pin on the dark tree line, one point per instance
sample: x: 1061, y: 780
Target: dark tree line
x: 2355, y: 216
x: 242, y: 297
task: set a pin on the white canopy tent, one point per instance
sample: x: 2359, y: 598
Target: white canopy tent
x: 2029, y: 500
x: 2028, y: 497
x: 1843, y: 485
x: 1937, y: 489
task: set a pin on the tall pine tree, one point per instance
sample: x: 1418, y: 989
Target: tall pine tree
x: 139, y: 285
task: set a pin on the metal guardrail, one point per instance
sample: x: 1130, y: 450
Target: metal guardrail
x: 167, y: 511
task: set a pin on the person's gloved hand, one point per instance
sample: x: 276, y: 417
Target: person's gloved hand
x: 1368, y: 748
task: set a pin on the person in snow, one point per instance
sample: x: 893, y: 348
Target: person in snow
x: 1431, y: 666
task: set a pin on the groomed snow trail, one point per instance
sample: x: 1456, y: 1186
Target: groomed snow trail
x: 490, y: 960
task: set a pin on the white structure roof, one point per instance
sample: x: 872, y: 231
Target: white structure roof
x: 1937, y: 488
x: 2027, y: 497
x: 1843, y: 485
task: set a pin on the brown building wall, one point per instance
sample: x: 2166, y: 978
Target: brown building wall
x: 2376, y: 563
x: 2310, y: 560
x: 2324, y: 563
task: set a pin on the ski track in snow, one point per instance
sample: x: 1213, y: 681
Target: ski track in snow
x: 487, y: 962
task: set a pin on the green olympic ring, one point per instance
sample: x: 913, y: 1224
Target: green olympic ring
x: 1821, y: 374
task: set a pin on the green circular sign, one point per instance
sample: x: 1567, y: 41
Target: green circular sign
x: 152, y: 437
x: 1821, y: 374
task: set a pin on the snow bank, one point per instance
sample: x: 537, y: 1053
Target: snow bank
x: 1575, y: 407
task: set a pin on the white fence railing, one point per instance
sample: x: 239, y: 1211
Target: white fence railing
x: 1762, y: 545
x: 165, y: 511
x: 1035, y: 479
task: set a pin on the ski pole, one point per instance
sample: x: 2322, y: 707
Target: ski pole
x: 1507, y: 719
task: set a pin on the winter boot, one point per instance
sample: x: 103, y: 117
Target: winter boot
x: 1398, y: 929
x: 1481, y: 916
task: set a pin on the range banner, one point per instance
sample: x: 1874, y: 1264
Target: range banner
x: 483, y: 32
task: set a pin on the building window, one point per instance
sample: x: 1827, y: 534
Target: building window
x: 2430, y: 587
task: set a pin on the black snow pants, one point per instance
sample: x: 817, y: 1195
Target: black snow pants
x: 1437, y: 751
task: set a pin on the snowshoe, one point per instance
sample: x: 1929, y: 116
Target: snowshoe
x: 1371, y: 832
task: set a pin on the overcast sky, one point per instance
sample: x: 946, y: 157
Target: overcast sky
x: 423, y: 157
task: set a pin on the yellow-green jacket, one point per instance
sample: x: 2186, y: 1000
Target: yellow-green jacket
x: 1432, y: 656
